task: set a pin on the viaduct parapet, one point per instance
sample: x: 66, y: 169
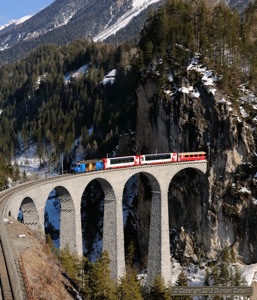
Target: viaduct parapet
x: 32, y: 201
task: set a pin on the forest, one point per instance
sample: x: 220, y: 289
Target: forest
x: 94, y: 281
x: 39, y: 107
x: 45, y: 104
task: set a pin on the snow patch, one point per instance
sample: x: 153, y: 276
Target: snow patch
x: 15, y: 22
x: 249, y: 273
x: 110, y: 77
x: 208, y: 78
x: 81, y: 71
x: 244, y: 191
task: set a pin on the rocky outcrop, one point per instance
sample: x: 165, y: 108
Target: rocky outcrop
x: 209, y: 212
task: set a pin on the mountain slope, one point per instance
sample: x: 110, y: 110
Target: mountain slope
x: 168, y: 105
x: 137, y: 7
x: 65, y: 20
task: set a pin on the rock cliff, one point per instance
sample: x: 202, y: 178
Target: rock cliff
x: 213, y: 211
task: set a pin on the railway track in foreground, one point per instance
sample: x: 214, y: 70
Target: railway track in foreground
x: 6, y: 290
x: 11, y: 280
x: 5, y: 282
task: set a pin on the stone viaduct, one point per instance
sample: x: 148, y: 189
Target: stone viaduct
x: 32, y: 201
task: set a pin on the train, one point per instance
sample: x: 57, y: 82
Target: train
x: 134, y: 160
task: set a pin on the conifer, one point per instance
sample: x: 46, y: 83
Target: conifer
x: 182, y: 280
x: 129, y: 287
x: 158, y: 290
x: 70, y: 262
x: 101, y: 285
x: 50, y: 244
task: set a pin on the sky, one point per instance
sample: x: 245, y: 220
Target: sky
x: 16, y: 9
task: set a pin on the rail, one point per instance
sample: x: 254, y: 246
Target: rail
x: 6, y: 287
x: 11, y: 286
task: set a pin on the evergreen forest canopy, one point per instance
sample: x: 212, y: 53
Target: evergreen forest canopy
x: 39, y: 107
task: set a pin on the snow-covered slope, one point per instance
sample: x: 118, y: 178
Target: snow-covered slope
x: 53, y: 16
x: 14, y: 22
x: 137, y: 7
x: 66, y: 20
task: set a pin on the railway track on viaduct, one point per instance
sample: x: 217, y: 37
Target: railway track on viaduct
x: 11, y: 278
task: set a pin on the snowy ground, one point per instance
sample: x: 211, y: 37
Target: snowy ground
x: 30, y: 163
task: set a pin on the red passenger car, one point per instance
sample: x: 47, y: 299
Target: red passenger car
x: 189, y: 156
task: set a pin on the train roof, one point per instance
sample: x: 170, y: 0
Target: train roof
x: 189, y: 153
x: 89, y: 161
x: 121, y: 156
x: 156, y: 153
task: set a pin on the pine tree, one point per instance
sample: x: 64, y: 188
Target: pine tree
x: 50, y: 244
x: 131, y: 254
x: 70, y: 262
x: 85, y: 266
x: 101, y: 286
x: 24, y: 176
x: 182, y: 280
x: 223, y: 273
x: 129, y: 287
x: 16, y: 171
x: 158, y: 290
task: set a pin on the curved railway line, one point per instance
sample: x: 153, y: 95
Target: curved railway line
x: 11, y: 282
x: 5, y: 282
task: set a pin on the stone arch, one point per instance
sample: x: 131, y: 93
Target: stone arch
x: 199, y: 171
x: 91, y: 211
x: 30, y: 215
x: 112, y: 240
x: 188, y: 205
x: 149, y: 218
x: 67, y: 212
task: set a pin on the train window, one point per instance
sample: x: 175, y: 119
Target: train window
x: 149, y: 157
x: 157, y: 156
x: 121, y: 160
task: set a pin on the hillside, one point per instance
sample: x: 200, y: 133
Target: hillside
x: 189, y: 84
x: 43, y: 271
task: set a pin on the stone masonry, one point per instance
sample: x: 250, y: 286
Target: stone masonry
x: 32, y: 201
